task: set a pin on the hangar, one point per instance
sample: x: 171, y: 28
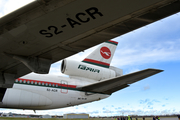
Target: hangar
x: 73, y: 115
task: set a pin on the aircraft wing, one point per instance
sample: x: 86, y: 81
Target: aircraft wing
x: 112, y: 85
x: 46, y: 31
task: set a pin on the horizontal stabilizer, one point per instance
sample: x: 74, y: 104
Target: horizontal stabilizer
x: 112, y: 85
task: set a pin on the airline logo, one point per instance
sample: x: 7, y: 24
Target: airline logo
x: 105, y: 52
x: 83, y: 67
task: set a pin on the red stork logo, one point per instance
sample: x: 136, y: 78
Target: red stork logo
x: 105, y: 52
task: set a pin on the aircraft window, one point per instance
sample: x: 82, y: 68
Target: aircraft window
x: 42, y: 83
x: 39, y: 83
x: 16, y: 80
x: 46, y: 84
x: 20, y: 81
x: 28, y: 82
x: 56, y: 85
x: 49, y: 84
x: 35, y: 83
x: 53, y: 85
x: 24, y: 81
x: 32, y: 82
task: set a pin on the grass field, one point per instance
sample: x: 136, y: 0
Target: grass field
x: 12, y: 118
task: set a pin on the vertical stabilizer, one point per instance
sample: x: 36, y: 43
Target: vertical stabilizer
x: 103, y: 55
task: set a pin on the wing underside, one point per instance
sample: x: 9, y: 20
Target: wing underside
x: 118, y: 83
x: 46, y: 31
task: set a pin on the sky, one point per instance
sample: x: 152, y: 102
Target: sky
x: 154, y: 46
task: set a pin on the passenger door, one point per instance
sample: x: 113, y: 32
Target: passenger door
x: 64, y: 87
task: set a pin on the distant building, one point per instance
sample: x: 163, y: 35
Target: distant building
x: 46, y: 116
x: 73, y: 115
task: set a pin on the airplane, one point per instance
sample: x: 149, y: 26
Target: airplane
x: 46, y: 31
x: 89, y: 80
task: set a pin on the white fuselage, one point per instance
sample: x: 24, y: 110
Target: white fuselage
x: 39, y: 92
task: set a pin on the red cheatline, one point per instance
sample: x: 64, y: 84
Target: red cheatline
x: 62, y: 85
x: 96, y: 62
x: 113, y: 42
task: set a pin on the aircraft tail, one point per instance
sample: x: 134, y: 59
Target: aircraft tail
x: 103, y: 55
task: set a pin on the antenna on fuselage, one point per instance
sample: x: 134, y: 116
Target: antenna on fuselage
x: 34, y: 111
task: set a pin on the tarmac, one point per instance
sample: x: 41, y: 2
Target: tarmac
x: 169, y: 119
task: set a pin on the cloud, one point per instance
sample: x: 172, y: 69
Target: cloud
x: 94, y: 112
x: 166, y: 98
x: 149, y: 107
x: 157, y: 101
x: 147, y: 103
x: 147, y: 87
x: 140, y: 53
x: 163, y: 105
x: 107, y: 111
x: 2, y: 3
x: 132, y: 70
x: 118, y: 108
x: 144, y: 101
x: 7, y: 6
x: 153, y: 104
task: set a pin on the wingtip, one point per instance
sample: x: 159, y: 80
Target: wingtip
x: 158, y: 70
